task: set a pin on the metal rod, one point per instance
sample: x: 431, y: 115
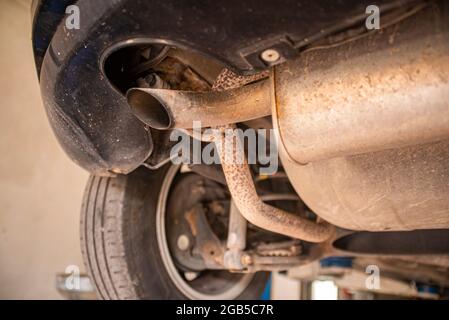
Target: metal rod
x: 237, y: 229
x: 236, y: 242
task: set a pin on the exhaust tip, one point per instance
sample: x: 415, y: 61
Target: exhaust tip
x: 149, y: 109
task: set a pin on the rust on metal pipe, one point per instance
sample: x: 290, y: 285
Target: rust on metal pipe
x: 245, y: 197
x: 168, y: 109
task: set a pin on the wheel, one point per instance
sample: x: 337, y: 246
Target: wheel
x: 126, y: 249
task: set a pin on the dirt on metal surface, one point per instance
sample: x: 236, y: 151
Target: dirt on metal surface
x: 387, y: 90
x: 364, y: 127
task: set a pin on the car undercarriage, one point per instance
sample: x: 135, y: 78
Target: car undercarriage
x: 229, y: 140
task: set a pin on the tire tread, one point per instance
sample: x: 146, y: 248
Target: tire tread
x: 102, y: 246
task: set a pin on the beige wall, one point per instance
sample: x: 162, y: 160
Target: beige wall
x: 40, y: 188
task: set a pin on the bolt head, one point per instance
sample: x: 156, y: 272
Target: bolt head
x: 270, y: 55
x: 190, y: 276
x: 246, y: 259
x: 183, y: 242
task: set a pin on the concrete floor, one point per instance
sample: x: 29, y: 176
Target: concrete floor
x: 40, y: 188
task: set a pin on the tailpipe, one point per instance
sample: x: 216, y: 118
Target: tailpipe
x: 172, y: 109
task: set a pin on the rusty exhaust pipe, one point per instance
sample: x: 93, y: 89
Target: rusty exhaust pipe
x: 171, y: 109
x: 246, y: 199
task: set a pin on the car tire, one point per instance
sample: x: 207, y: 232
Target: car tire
x: 120, y: 244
